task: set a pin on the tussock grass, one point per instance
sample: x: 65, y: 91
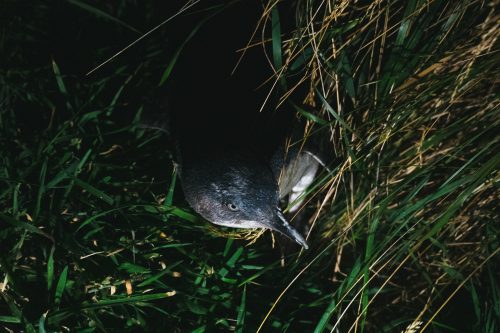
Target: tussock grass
x: 403, y: 231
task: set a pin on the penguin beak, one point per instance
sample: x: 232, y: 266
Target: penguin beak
x: 280, y: 224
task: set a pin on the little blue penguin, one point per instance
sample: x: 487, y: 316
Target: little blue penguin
x: 230, y: 155
x: 239, y: 189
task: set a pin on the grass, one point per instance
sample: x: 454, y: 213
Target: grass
x: 403, y: 230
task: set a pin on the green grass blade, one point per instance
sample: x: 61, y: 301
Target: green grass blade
x: 59, y: 79
x: 240, y: 319
x: 276, y: 38
x: 334, y: 113
x: 50, y: 268
x: 41, y: 189
x: 24, y: 225
x: 100, y: 13
x: 10, y: 319
x: 61, y: 285
x: 170, y: 194
x: 325, y: 318
x: 94, y: 191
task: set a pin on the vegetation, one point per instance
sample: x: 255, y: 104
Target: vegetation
x: 403, y: 229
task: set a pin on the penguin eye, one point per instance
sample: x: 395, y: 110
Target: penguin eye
x: 232, y: 206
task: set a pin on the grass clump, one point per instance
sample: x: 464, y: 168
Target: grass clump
x: 96, y: 237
